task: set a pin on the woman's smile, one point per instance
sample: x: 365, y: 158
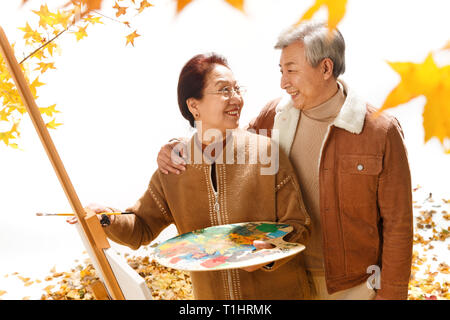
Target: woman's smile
x: 235, y: 113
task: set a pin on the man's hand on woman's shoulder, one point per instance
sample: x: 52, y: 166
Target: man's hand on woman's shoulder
x: 170, y: 157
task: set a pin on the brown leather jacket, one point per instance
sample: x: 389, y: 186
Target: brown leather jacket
x: 365, y: 194
x: 243, y: 194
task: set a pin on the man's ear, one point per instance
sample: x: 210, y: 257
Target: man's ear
x: 192, y: 105
x: 327, y: 66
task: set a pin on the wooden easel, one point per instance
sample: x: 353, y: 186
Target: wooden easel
x: 120, y: 280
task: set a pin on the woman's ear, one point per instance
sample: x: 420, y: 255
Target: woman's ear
x: 192, y: 105
x: 327, y: 68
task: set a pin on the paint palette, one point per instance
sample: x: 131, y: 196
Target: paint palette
x: 226, y: 247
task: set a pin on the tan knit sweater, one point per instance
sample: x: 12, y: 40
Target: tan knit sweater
x: 243, y: 194
x: 305, y: 151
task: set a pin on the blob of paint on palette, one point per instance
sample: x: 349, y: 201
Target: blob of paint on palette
x: 226, y: 247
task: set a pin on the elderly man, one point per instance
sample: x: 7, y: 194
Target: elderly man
x: 352, y: 167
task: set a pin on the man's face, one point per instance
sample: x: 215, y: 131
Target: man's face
x: 300, y: 80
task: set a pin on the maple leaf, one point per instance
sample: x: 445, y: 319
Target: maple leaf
x: 144, y: 4
x: 39, y: 55
x: 50, y: 47
x: 238, y: 4
x: 131, y: 37
x: 93, y: 20
x: 4, y: 114
x: 12, y: 134
x: 120, y: 10
x: 181, y: 4
x: 36, y: 83
x: 49, y: 111
x: 81, y: 33
x: 431, y: 81
x: 44, y: 15
x: 52, y: 124
x: 31, y: 34
x: 336, y: 11
x: 62, y: 18
x: 43, y: 66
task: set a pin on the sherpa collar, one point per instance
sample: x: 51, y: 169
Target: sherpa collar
x: 350, y: 117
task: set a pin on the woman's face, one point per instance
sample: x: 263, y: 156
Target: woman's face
x: 217, y: 109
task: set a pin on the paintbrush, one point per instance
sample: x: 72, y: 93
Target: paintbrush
x: 72, y: 214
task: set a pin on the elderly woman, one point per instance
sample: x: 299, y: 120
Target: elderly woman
x: 214, y: 190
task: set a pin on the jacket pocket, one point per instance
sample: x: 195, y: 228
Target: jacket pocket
x: 360, y: 164
x: 358, y: 180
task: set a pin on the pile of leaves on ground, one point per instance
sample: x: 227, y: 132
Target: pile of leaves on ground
x: 430, y: 271
x: 164, y: 283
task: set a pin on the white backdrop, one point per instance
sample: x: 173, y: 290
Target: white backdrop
x: 119, y: 104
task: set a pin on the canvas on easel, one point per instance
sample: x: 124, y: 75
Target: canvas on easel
x: 119, y: 279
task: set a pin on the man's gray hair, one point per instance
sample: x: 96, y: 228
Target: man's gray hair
x: 319, y: 42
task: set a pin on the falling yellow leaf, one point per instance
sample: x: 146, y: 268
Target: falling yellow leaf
x: 43, y: 67
x: 144, y: 4
x: 2, y: 292
x: 81, y: 33
x: 52, y: 124
x: 93, y: 20
x: 49, y: 111
x: 131, y: 37
x: 120, y: 10
x: 238, y: 4
x: 431, y: 81
x: 336, y: 11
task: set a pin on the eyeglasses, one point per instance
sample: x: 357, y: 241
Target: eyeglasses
x: 228, y: 91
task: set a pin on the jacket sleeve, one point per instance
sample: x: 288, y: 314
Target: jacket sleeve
x: 150, y: 216
x: 290, y: 208
x: 395, y: 205
x: 264, y: 121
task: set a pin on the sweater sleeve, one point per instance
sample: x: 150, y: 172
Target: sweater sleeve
x: 289, y: 202
x: 290, y: 208
x: 395, y: 203
x: 150, y: 215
